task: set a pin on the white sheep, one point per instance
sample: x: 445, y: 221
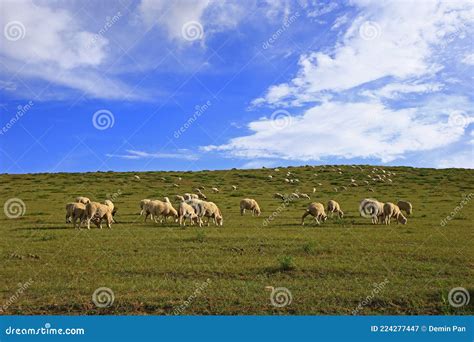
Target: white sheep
x: 317, y: 210
x: 82, y: 199
x: 215, y: 190
x: 143, y: 203
x: 234, y: 187
x: 334, y: 207
x: 102, y: 211
x: 391, y: 210
x: 211, y: 210
x: 304, y: 196
x: 250, y: 204
x: 405, y: 206
x: 371, y: 208
x: 185, y: 211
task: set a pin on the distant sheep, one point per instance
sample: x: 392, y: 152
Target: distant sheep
x: 334, y: 207
x: 391, y: 210
x: 234, y: 187
x: 278, y: 195
x: 249, y: 204
x: 215, y: 190
x: 317, y: 210
x: 304, y: 196
x: 405, y: 206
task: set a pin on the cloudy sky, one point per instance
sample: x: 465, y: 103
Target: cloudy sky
x: 190, y: 85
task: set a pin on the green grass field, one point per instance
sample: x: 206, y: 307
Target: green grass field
x: 160, y: 269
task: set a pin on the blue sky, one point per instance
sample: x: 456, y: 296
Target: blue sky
x: 190, y: 85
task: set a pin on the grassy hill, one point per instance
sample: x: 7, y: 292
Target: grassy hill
x: 341, y: 266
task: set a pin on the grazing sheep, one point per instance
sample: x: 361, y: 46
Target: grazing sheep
x: 276, y: 170
x: 371, y: 208
x: 334, y: 207
x: 270, y: 177
x: 215, y: 190
x: 185, y: 211
x: 69, y: 211
x: 391, y: 210
x: 136, y: 177
x: 317, y: 210
x: 295, y: 195
x: 305, y: 196
x: 175, y: 185
x: 158, y: 208
x: 314, y: 190
x: 82, y: 199
x: 143, y: 203
x: 211, y: 210
x: 103, y: 211
x: 287, y: 180
x: 250, y: 204
x: 405, y: 206
x: 234, y: 187
x: 201, y: 187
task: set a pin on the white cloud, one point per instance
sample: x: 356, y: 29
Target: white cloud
x: 213, y: 16
x: 388, y: 39
x: 347, y: 130
x: 394, y: 90
x: 468, y: 59
x: 55, y: 48
x: 463, y: 159
x: 134, y: 154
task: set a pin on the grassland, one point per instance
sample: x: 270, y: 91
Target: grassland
x: 155, y: 269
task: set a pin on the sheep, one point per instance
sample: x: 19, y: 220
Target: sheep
x: 270, y: 177
x: 234, y: 187
x: 287, y: 180
x: 137, y: 177
x: 295, y: 195
x: 314, y: 190
x: 103, y: 211
x: 69, y: 211
x: 304, y: 196
x: 186, y: 211
x: 215, y: 190
x: 371, y: 208
x: 250, y: 204
x: 276, y: 170
x: 158, y: 208
x: 391, y: 210
x: 82, y: 199
x: 334, y: 207
x: 143, y: 203
x: 175, y: 185
x: 187, y: 196
x: 211, y: 210
x: 405, y: 206
x: 317, y: 210
x: 278, y: 195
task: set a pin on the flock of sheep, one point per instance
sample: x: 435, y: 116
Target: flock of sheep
x: 195, y: 209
